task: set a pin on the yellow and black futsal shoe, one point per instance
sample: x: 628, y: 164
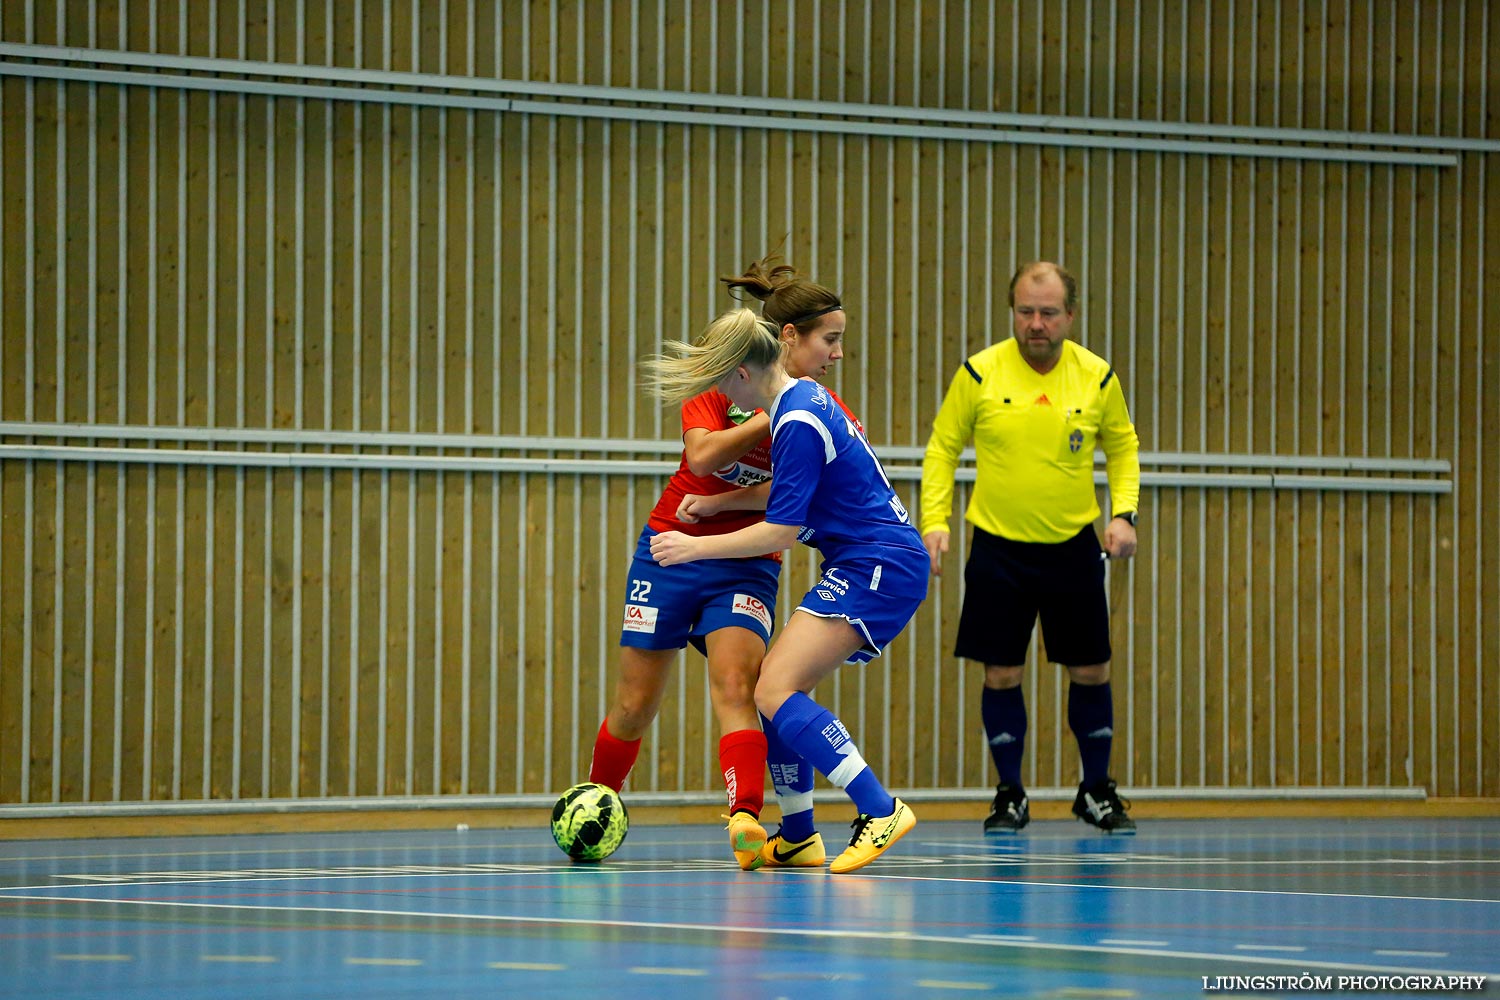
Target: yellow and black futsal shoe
x: 808, y: 853
x: 873, y: 836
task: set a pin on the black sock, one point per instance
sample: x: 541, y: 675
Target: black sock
x: 1091, y: 716
x: 1004, y: 713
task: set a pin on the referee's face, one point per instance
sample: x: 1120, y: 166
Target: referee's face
x: 1040, y: 319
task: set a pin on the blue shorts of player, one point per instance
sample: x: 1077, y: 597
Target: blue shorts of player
x: 877, y: 597
x: 666, y: 607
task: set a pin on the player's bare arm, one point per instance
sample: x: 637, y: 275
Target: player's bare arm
x: 708, y: 450
x: 696, y: 506
x: 672, y: 547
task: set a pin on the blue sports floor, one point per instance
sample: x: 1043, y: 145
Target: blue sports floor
x: 1056, y: 912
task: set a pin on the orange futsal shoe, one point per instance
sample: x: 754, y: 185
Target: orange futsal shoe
x: 746, y: 839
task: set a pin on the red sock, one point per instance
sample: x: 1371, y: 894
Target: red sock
x: 742, y: 757
x: 613, y: 758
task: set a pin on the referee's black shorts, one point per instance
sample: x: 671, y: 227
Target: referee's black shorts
x: 1008, y: 584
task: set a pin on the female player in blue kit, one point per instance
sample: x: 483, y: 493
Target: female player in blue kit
x: 828, y: 484
x: 723, y: 607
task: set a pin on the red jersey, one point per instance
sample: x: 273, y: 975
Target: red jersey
x: 847, y: 412
x: 713, y: 411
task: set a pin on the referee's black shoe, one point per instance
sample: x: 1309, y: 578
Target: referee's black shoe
x: 1100, y: 805
x: 1009, y: 812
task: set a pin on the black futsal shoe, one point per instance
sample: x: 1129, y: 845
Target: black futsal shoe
x: 1010, y: 811
x: 1100, y: 805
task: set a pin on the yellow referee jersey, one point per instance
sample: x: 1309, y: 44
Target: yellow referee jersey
x: 1034, y: 436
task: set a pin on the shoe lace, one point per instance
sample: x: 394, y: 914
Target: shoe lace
x: 860, y: 824
x: 1006, y: 795
x: 1117, y: 802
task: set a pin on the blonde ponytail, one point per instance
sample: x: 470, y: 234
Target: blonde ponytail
x: 736, y: 338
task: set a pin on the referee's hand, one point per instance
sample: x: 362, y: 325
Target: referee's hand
x: 937, y: 543
x: 1119, y: 539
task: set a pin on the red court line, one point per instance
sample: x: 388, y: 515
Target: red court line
x: 1426, y: 874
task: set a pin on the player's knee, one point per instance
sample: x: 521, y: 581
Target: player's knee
x: 1000, y: 678
x: 631, y: 717
x: 769, y: 697
x: 735, y: 689
x: 1089, y: 676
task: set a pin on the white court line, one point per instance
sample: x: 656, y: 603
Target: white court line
x: 1398, y: 953
x: 449, y: 844
x: 788, y: 932
x: 1133, y: 943
x: 1043, y: 836
x: 712, y: 865
x: 475, y: 841
x: 1159, y: 859
x: 1270, y: 947
x: 444, y: 840
x: 1002, y: 856
x: 227, y: 877
x: 885, y: 864
x: 821, y: 977
x: 529, y: 966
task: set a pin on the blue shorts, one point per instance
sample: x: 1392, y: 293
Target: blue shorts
x: 666, y: 607
x: 854, y: 593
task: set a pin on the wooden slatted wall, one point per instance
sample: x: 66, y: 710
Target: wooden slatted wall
x: 176, y: 257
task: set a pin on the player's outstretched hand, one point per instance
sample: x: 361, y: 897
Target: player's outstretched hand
x: 937, y: 544
x: 672, y: 547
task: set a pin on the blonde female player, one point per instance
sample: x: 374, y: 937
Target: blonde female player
x: 725, y: 608
x: 829, y: 484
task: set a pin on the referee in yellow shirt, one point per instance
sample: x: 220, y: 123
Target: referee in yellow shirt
x: 1035, y: 407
